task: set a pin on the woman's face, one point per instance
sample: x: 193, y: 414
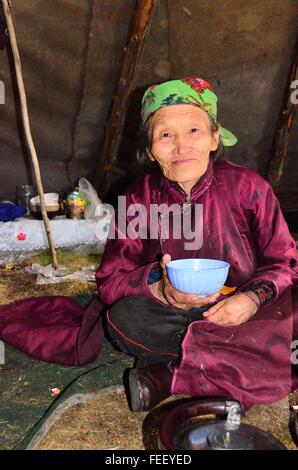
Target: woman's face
x: 181, y: 142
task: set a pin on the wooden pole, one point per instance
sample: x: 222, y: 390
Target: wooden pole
x: 27, y: 130
x: 284, y: 125
x: 132, y: 55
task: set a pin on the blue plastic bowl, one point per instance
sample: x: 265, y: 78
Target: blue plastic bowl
x: 198, y: 276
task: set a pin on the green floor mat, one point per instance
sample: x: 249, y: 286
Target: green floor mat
x: 25, y: 388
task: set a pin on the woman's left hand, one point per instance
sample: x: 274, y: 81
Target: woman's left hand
x: 232, y: 311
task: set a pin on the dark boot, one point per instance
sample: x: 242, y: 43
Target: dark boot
x: 149, y: 386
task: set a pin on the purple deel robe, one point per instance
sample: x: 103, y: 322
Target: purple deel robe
x: 243, y: 225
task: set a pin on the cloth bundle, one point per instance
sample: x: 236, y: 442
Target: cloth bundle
x: 9, y: 211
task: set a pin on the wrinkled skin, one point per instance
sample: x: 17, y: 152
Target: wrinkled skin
x: 181, y: 142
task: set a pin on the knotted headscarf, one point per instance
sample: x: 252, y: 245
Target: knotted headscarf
x: 189, y: 90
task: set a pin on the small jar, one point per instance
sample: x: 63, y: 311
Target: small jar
x: 24, y: 194
x: 75, y: 204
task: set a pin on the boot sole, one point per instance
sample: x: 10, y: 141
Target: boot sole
x: 135, y: 399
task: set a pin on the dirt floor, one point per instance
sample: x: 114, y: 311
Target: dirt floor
x: 107, y: 423
x: 16, y: 284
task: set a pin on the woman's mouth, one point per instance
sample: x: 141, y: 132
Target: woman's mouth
x: 182, y: 161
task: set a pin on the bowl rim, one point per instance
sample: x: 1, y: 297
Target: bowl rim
x: 170, y: 264
x: 35, y: 199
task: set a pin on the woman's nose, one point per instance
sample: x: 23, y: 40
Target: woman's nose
x: 181, y: 144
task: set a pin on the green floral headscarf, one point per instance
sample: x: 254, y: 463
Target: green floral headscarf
x: 189, y: 90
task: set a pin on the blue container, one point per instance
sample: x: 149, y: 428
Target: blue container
x: 198, y: 276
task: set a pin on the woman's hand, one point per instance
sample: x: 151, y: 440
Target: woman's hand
x: 232, y: 311
x: 166, y: 293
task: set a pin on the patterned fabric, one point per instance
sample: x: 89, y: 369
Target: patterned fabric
x: 263, y: 289
x: 189, y: 90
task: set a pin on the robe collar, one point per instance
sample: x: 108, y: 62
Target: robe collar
x: 197, y: 190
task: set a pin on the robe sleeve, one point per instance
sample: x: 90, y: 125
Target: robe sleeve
x: 125, y: 266
x: 263, y: 290
x: 274, y: 245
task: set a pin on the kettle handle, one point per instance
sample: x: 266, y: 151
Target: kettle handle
x: 189, y: 409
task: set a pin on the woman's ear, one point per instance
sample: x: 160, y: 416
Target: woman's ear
x: 149, y: 155
x: 215, y: 139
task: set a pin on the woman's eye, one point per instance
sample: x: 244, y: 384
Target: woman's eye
x: 194, y: 129
x: 165, y: 134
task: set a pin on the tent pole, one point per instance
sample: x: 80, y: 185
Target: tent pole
x: 27, y: 130
x: 131, y: 59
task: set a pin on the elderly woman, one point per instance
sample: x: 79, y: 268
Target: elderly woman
x: 236, y: 343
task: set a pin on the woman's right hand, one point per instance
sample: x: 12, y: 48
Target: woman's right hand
x: 164, y: 291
